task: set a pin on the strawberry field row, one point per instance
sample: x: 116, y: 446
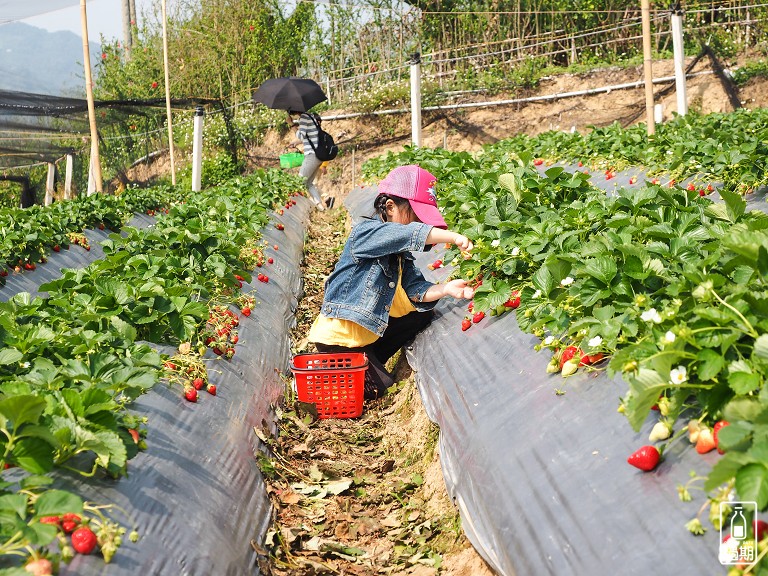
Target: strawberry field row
x: 73, y: 364
x: 657, y: 284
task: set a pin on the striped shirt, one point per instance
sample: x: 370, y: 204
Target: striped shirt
x: 307, y: 130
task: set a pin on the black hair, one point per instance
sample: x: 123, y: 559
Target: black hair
x: 380, y: 205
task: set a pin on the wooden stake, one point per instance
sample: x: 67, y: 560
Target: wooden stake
x: 89, y: 95
x: 648, y: 66
x: 49, y: 183
x: 168, y: 95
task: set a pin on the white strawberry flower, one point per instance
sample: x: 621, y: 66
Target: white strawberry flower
x: 678, y: 375
x: 496, y: 243
x: 567, y: 281
x: 536, y: 294
x: 651, y: 315
x: 669, y: 337
x: 25, y: 364
x: 595, y: 342
x: 515, y: 251
x: 548, y: 340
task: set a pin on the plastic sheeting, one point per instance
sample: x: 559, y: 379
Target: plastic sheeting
x: 196, y: 494
x: 540, y: 479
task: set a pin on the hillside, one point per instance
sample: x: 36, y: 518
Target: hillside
x: 42, y: 62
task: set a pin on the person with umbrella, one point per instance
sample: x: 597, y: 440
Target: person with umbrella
x: 297, y: 96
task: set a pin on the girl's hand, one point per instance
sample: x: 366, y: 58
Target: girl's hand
x: 463, y: 243
x: 458, y: 289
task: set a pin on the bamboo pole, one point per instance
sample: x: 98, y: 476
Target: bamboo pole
x: 168, y: 95
x: 127, y: 38
x: 96, y: 164
x: 648, y: 66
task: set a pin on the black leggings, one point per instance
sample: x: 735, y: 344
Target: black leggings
x: 399, y: 332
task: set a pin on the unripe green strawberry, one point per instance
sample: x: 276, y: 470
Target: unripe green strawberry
x: 570, y: 367
x: 553, y: 366
x: 661, y: 431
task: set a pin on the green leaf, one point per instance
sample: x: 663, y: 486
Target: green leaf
x: 603, y: 269
x: 724, y: 469
x: 645, y: 387
x: 34, y: 455
x: 746, y: 409
x: 761, y: 347
x: 752, y: 484
x: 16, y: 504
x: 710, y: 364
x: 735, y: 204
x: 736, y: 436
x: 57, y: 502
x: 542, y: 280
x: 22, y: 409
x: 123, y: 329
x: 10, y: 356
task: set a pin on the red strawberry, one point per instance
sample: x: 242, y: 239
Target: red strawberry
x: 715, y: 430
x: 538, y: 162
x: 53, y: 520
x: 68, y: 526
x: 761, y: 529
x: 84, y: 540
x: 218, y: 351
x: 466, y: 324
x: 198, y: 383
x: 135, y: 435
x: 702, y: 192
x: 246, y: 311
x: 170, y: 365
x: 154, y: 84
x: 478, y: 316
x: 435, y: 265
x: 265, y: 278
x: 56, y: 248
x: 71, y: 517
x: 275, y: 247
x: 270, y: 260
x: 581, y: 163
x: 230, y: 352
x: 569, y: 353
x: 29, y: 266
x: 514, y: 300
x: 3, y: 272
x: 190, y: 394
x: 211, y: 389
x: 589, y: 359
x: 691, y: 187
x: 705, y: 442
x: 101, y: 225
x: 710, y: 188
x: 279, y: 226
x: 234, y: 339
x: 645, y: 458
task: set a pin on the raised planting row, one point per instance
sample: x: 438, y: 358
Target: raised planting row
x: 28, y: 236
x: 73, y: 364
x: 730, y: 148
x: 656, y: 284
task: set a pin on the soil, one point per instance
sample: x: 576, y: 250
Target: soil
x: 366, y: 496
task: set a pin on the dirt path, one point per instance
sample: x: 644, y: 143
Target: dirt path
x: 361, y: 496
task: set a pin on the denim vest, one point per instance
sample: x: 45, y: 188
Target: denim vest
x: 362, y: 286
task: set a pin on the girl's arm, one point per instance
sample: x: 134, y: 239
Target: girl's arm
x: 455, y: 288
x: 438, y: 236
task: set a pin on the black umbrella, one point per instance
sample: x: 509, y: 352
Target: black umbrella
x: 298, y: 94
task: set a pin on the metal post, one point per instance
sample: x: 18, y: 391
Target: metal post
x: 416, y: 99
x: 679, y: 58
x: 648, y: 65
x: 68, y: 178
x: 49, y: 183
x: 197, y: 149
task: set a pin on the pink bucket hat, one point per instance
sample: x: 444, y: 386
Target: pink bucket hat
x: 418, y: 187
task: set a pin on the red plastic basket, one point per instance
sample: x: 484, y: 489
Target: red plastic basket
x: 332, y: 381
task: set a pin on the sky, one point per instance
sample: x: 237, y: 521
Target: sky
x: 104, y: 18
